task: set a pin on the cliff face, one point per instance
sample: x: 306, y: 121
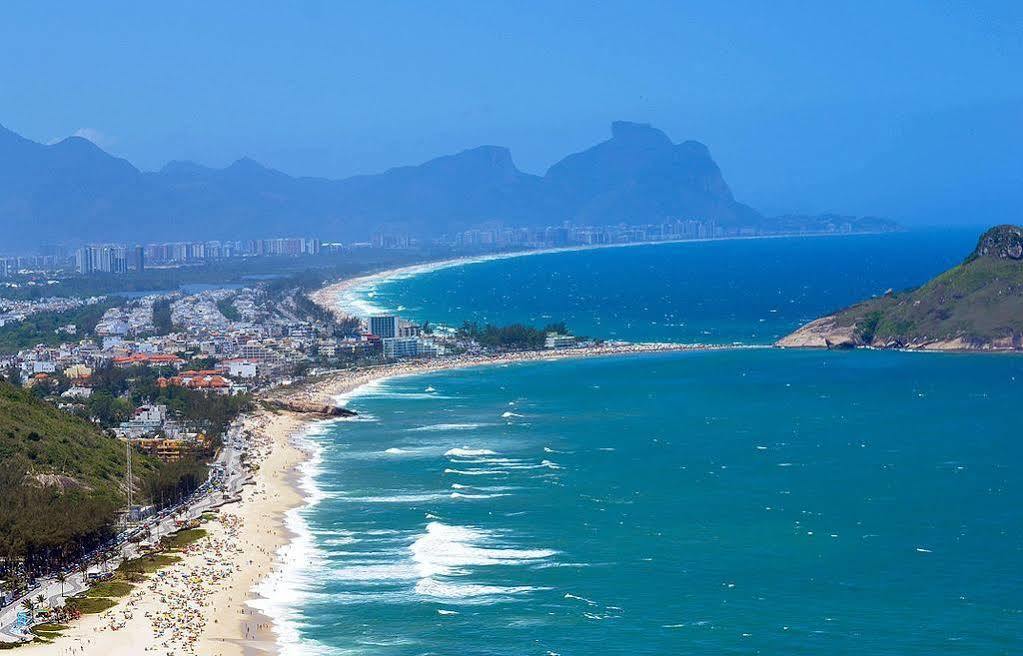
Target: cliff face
x: 1004, y: 242
x: 976, y: 306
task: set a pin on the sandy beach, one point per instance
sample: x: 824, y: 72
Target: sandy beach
x: 325, y: 388
x: 199, y: 605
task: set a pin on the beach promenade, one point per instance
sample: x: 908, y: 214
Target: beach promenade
x: 199, y: 605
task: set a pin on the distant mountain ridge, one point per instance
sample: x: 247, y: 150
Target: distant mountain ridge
x: 73, y: 189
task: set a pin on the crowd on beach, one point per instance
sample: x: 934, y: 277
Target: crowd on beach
x: 184, y: 592
x: 176, y: 610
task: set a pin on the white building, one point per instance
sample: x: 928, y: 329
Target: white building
x: 556, y: 341
x: 400, y: 347
x: 242, y: 369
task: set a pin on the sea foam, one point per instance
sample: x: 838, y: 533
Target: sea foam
x: 467, y: 452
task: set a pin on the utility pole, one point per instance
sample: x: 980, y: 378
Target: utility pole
x: 127, y: 454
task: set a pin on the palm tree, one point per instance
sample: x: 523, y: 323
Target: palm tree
x: 83, y: 567
x: 15, y: 582
x: 62, y: 579
x: 30, y: 607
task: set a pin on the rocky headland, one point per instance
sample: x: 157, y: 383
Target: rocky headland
x: 975, y: 306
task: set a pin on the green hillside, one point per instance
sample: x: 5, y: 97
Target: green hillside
x: 61, y: 483
x: 976, y: 305
x: 43, y: 440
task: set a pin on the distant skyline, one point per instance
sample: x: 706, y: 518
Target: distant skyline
x: 910, y: 110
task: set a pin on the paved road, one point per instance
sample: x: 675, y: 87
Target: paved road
x: 225, y: 482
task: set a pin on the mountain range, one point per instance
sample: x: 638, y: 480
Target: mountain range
x: 73, y: 189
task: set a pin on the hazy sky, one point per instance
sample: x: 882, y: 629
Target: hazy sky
x: 908, y: 109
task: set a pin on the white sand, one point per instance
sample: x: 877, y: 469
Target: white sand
x: 198, y: 606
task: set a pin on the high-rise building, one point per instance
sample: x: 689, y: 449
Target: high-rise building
x: 384, y: 326
x: 138, y: 259
x: 83, y: 260
x: 107, y: 258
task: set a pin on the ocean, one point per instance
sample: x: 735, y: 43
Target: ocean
x: 740, y: 501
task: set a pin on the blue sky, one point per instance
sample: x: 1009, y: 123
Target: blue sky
x: 908, y: 109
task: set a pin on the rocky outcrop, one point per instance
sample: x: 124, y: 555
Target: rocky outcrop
x: 976, y: 306
x: 308, y: 407
x: 822, y: 333
x: 1002, y: 242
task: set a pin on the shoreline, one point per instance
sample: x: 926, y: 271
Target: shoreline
x: 336, y: 386
x: 331, y: 297
x: 205, y: 603
x: 824, y: 333
x: 219, y: 599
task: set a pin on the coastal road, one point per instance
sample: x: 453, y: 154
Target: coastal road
x: 227, y: 476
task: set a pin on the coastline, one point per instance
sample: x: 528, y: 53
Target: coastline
x: 216, y: 600
x: 203, y: 604
x: 326, y: 388
x: 825, y: 333
x: 333, y: 297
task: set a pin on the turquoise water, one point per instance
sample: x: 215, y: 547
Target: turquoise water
x: 750, y: 501
x: 749, y: 291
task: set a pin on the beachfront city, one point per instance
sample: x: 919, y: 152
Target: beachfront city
x: 151, y: 369
x: 510, y: 329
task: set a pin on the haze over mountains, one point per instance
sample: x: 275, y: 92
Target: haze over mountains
x: 73, y: 190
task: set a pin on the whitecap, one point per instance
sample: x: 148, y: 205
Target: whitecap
x: 396, y: 498
x: 429, y: 587
x: 459, y: 495
x: 467, y: 452
x: 577, y: 597
x: 384, y: 572
x: 445, y: 427
x: 477, y: 472
x: 444, y: 550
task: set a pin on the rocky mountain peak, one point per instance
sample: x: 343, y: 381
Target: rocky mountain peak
x: 1002, y: 242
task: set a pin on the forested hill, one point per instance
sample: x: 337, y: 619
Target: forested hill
x: 51, y: 448
x: 61, y: 482
x: 976, y: 306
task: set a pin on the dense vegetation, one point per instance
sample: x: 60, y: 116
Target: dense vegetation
x: 61, y: 484
x: 227, y: 308
x: 51, y: 441
x: 41, y: 328
x: 174, y: 481
x: 117, y: 391
x: 978, y: 303
x: 62, y: 479
x: 515, y: 337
